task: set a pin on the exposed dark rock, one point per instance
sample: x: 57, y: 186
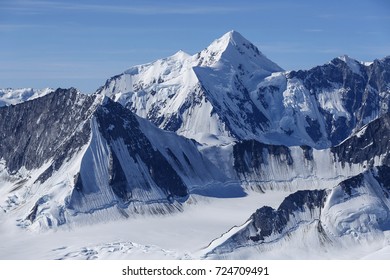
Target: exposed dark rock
x: 117, y: 122
x: 307, y: 152
x: 48, y: 128
x: 314, y: 129
x: 269, y: 221
x: 251, y: 154
x: 361, y: 93
x: 383, y: 176
x: 372, y: 141
x: 354, y: 182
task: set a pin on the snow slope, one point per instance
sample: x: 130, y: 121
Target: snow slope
x: 197, y: 96
x: 10, y: 96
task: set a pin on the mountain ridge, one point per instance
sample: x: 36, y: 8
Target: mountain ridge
x: 231, y: 91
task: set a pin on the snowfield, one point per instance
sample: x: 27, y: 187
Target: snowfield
x: 180, y: 235
x: 190, y: 234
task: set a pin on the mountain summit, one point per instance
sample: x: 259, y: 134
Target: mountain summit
x: 234, y: 49
x: 205, y: 96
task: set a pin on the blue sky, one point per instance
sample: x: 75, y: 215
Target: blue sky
x: 63, y: 43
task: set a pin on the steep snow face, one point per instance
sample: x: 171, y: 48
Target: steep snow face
x: 95, y: 159
x: 10, y: 96
x: 349, y: 216
x: 293, y: 112
x: 168, y: 93
x: 204, y: 96
x: 229, y: 69
x: 233, y: 50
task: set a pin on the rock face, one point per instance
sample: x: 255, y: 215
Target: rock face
x: 53, y: 127
x: 267, y: 221
x: 68, y: 154
x: 349, y: 94
x: 370, y: 142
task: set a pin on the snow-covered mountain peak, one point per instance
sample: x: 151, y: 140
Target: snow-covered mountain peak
x: 352, y: 63
x: 346, y: 58
x: 234, y: 49
x: 232, y: 37
x: 181, y: 55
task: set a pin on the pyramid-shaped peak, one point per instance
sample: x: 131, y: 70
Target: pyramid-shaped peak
x: 236, y: 49
x: 351, y: 63
x: 181, y: 55
x: 232, y: 38
x: 347, y: 58
x: 235, y: 37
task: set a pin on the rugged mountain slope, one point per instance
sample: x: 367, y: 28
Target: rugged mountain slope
x: 230, y: 90
x: 324, y: 105
x: 68, y: 154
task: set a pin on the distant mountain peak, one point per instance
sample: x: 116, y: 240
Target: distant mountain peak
x: 232, y: 37
x: 181, y: 55
x: 352, y: 63
x: 236, y: 49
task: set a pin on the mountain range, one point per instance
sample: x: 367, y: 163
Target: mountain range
x: 205, y: 130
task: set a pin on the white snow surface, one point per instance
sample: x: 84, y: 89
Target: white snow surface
x: 10, y: 96
x: 179, y: 235
x: 181, y: 92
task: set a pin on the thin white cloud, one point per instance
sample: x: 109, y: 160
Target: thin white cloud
x: 141, y: 9
x: 15, y: 27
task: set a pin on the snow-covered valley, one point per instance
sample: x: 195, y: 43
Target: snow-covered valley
x: 179, y: 235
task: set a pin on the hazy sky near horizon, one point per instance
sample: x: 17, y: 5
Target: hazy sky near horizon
x: 79, y: 43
